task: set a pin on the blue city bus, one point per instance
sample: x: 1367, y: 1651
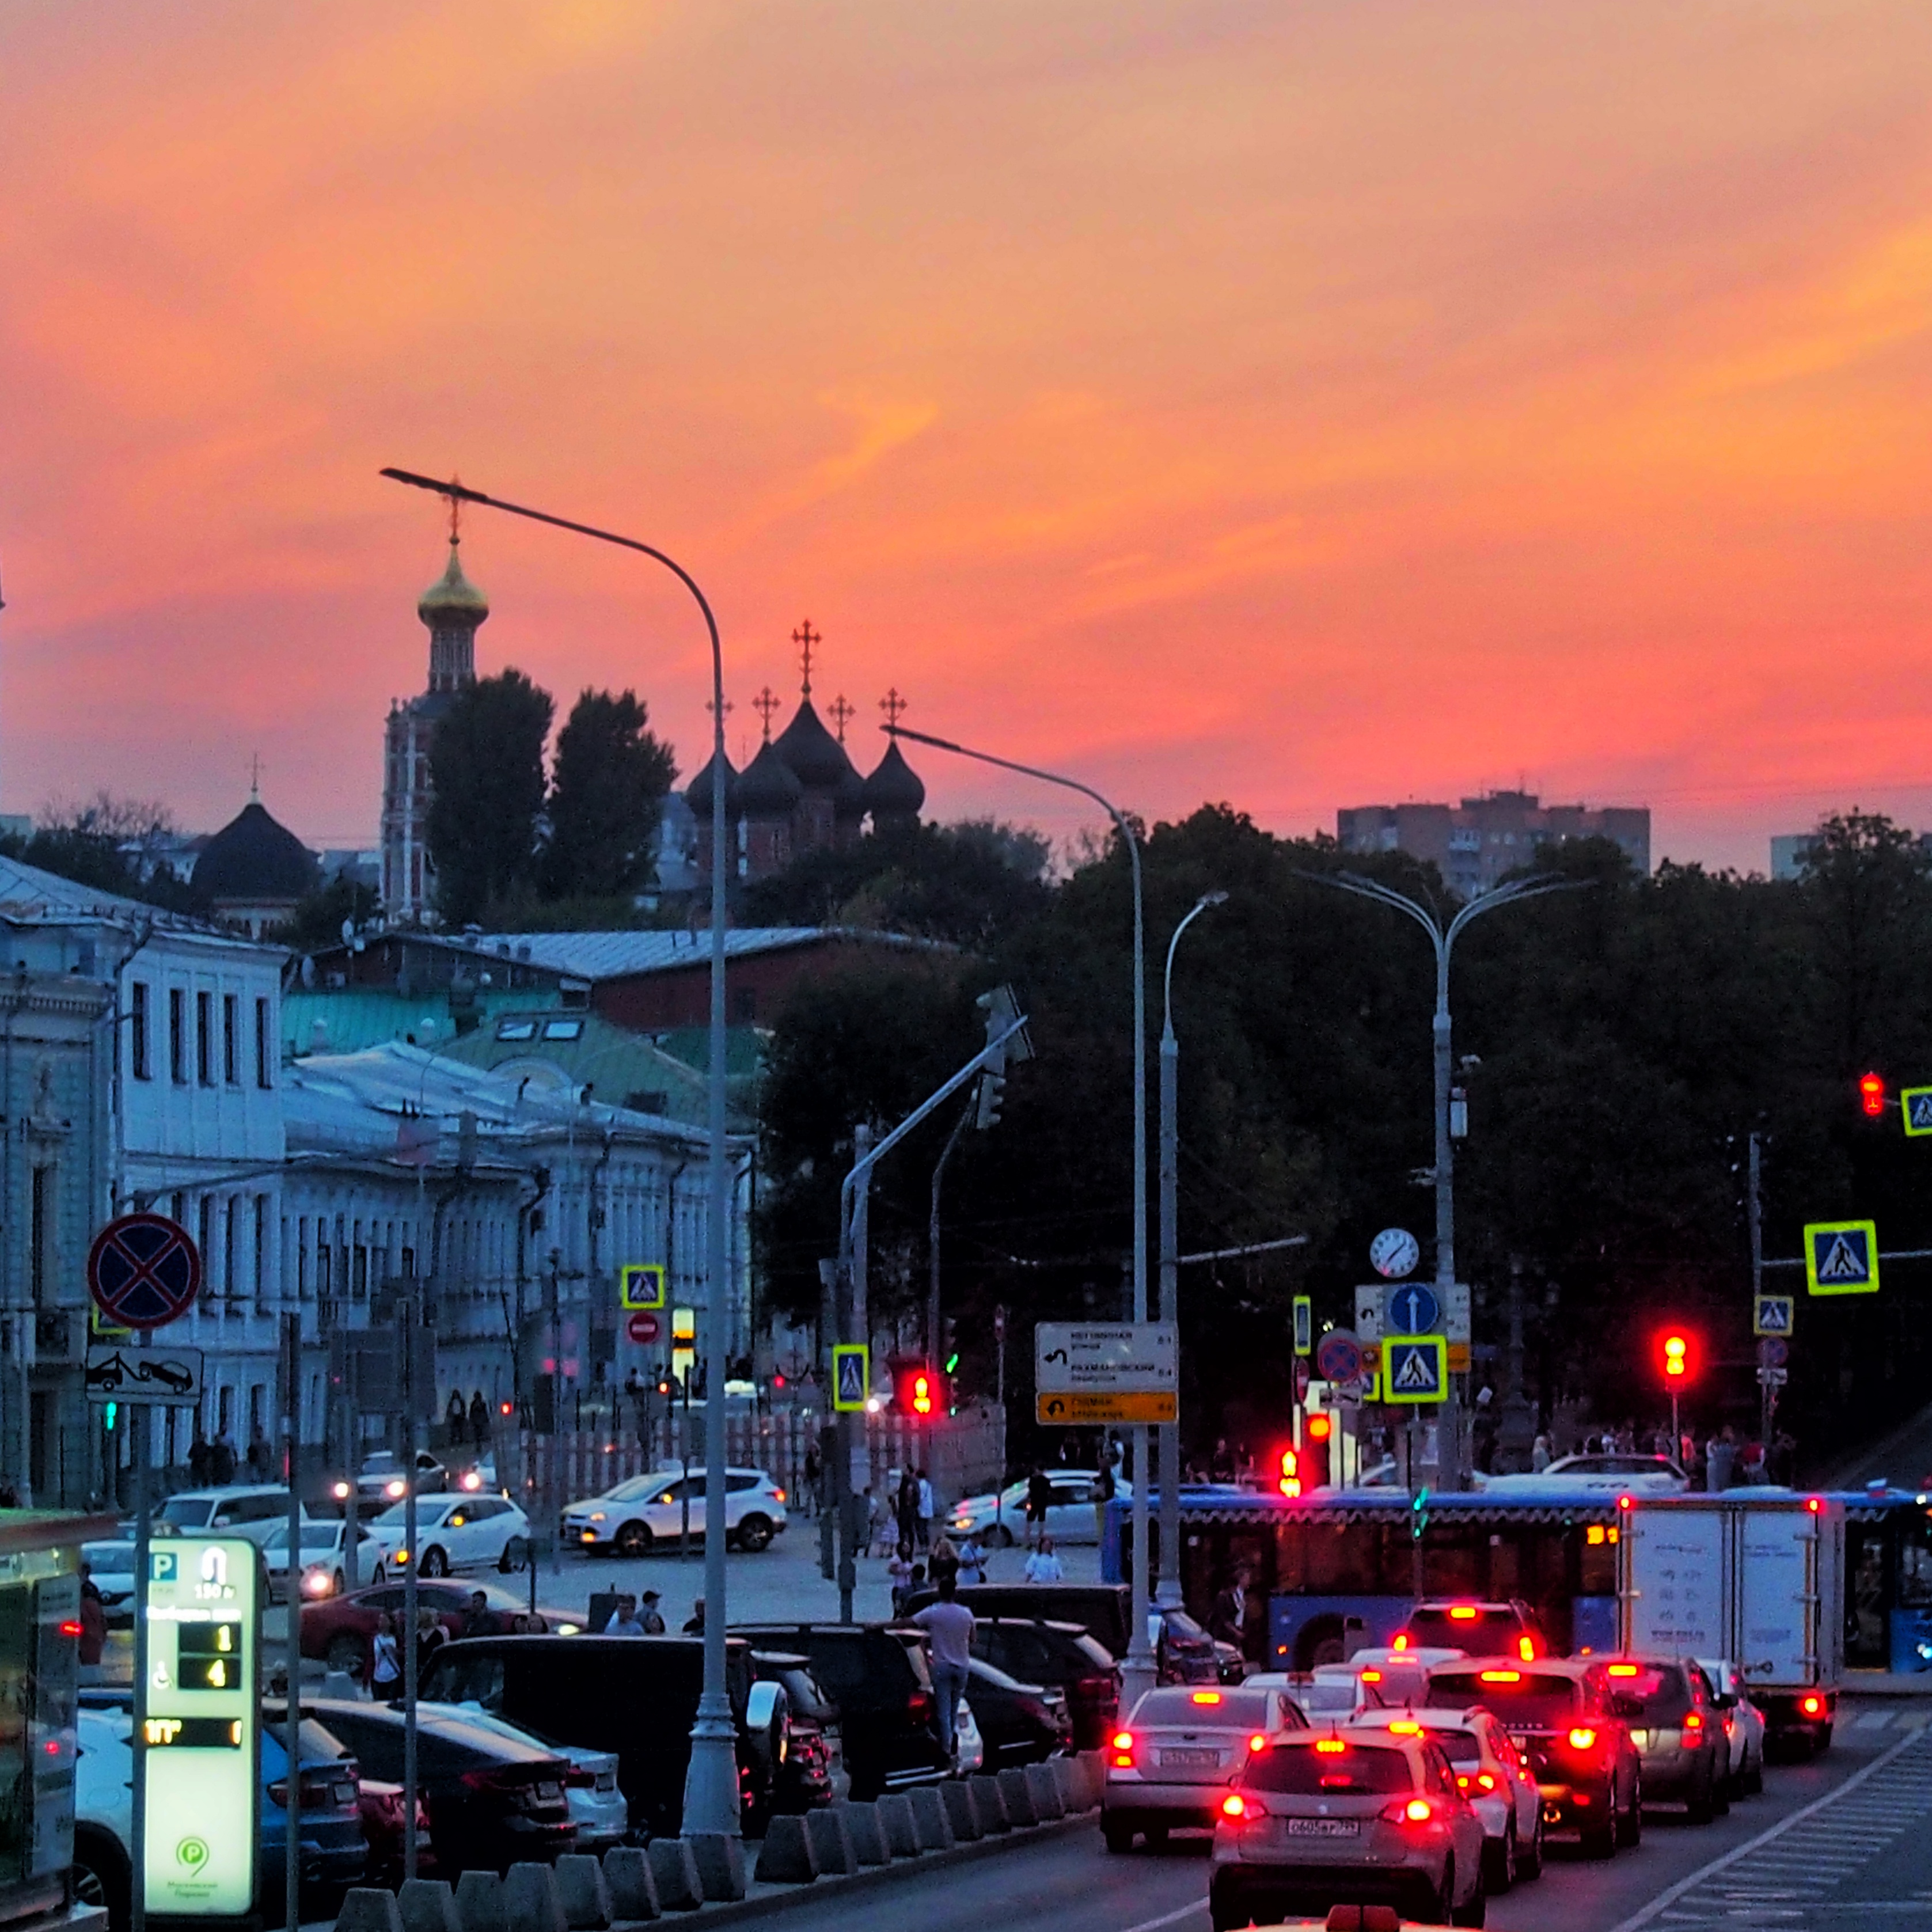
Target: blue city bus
x: 1888, y: 1580
x: 1341, y: 1568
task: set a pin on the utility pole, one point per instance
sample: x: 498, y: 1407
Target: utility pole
x: 935, y: 1328
x: 1754, y: 1215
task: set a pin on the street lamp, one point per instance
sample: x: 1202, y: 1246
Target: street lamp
x: 711, y: 1784
x: 1169, y: 1591
x: 1139, y: 1672
x: 1512, y: 891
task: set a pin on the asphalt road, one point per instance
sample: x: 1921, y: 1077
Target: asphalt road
x: 1842, y: 1843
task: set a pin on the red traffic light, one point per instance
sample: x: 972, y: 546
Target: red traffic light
x: 1318, y: 1433
x: 1871, y: 1093
x: 1677, y: 1357
x: 919, y: 1390
x: 1289, y: 1482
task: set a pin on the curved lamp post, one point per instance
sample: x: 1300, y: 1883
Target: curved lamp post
x: 711, y: 1785
x: 1137, y: 1674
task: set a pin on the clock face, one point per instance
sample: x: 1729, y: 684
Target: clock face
x: 1394, y: 1253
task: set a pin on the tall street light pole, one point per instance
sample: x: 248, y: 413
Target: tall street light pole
x: 711, y: 1784
x: 1169, y: 1591
x: 1139, y: 1666
x: 1449, y: 1471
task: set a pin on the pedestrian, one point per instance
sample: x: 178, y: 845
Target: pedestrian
x: 945, y: 1562
x: 1750, y: 1462
x: 1038, y: 1500
x: 1104, y: 1487
x: 479, y: 1620
x: 972, y: 1560
x: 454, y: 1417
x: 694, y: 1624
x: 624, y: 1620
x: 948, y: 1625
x: 650, y: 1616
x: 221, y: 1459
x: 1539, y: 1455
x: 925, y: 1511
x: 93, y: 1618
x: 1720, y: 1460
x: 898, y: 1573
x: 1043, y: 1566
x: 1222, y: 1466
x: 198, y: 1456
x: 479, y: 1420
x: 1228, y: 1619
x: 385, y: 1663
x: 907, y: 1505
x: 430, y: 1638
x: 808, y: 1494
x: 259, y: 1453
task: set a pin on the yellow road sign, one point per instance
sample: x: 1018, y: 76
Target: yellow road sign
x: 1916, y: 1102
x: 1304, y: 1325
x: 1064, y: 1409
x: 640, y: 1284
x: 1415, y: 1368
x: 851, y: 1375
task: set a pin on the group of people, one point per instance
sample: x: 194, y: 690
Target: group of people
x: 639, y: 1616
x: 1725, y: 1462
x: 466, y: 1422
x: 215, y: 1464
x: 385, y: 1647
x: 947, y: 1565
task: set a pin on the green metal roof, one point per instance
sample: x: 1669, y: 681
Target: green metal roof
x: 354, y: 1018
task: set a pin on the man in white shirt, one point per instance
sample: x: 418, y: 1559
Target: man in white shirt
x: 948, y: 1625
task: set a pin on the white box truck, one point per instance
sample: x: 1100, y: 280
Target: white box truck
x: 1756, y: 1575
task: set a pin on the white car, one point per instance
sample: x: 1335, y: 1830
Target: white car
x: 110, y: 1568
x: 999, y: 1519
x: 380, y: 1481
x: 453, y: 1533
x: 1607, y: 1474
x: 1743, y: 1723
x: 252, y: 1510
x: 324, y: 1571
x: 969, y: 1748
x: 1330, y: 1696
x: 627, y: 1520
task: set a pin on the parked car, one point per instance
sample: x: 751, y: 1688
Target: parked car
x: 810, y: 1774
x: 1184, y: 1652
x: 998, y: 1518
x: 1506, y: 1629
x: 455, y: 1532
x: 1037, y: 1651
x: 324, y: 1559
x: 492, y: 1801
x: 888, y: 1716
x: 1170, y: 1765
x: 629, y: 1519
x: 1346, y: 1817
x: 1679, y: 1736
x: 251, y: 1509
x: 634, y: 1696
x: 110, y: 1568
x: 1019, y: 1724
x: 381, y: 1480
x: 597, y: 1806
x: 1743, y: 1723
x: 1560, y: 1714
x: 338, y: 1629
x: 382, y: 1830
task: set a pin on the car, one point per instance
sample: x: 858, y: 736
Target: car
x: 1344, y: 1817
x: 1170, y: 1763
x: 627, y: 1519
x: 1397, y: 1676
x: 338, y: 1629
x: 250, y: 1509
x: 634, y: 1696
x: 888, y: 1715
x: 1743, y: 1723
x: 1610, y: 1473
x: 492, y: 1800
x: 1018, y: 1723
x: 998, y: 1518
x: 455, y: 1532
x: 1560, y: 1715
x: 382, y: 1479
x: 1492, y: 1774
x: 324, y: 1559
x: 1324, y: 1696
x: 1037, y: 1650
x: 1477, y: 1629
x: 382, y: 1830
x: 810, y: 1774
x: 1183, y: 1652
x: 1679, y: 1736
x: 969, y: 1748
x: 597, y: 1806
x: 110, y: 1568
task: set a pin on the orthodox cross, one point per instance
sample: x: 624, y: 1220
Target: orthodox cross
x: 765, y: 704
x: 255, y: 775
x: 729, y: 706
x: 841, y: 713
x: 804, y: 636
x: 893, y: 706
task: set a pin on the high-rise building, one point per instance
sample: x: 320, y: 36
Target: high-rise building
x: 1475, y: 844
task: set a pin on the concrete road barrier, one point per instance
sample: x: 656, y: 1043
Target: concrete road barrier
x: 367, y: 1908
x: 863, y: 1833
x: 580, y: 1890
x: 1044, y: 1788
x: 633, y: 1891
x: 787, y: 1857
x: 1017, y: 1795
x: 479, y: 1902
x: 675, y: 1871
x: 961, y: 1812
x: 427, y: 1905
x: 530, y: 1902
x: 720, y: 1858
x: 929, y: 1818
x: 895, y: 1810
x: 831, y: 1843
x: 991, y: 1808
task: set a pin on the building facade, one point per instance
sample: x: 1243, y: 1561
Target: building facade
x: 1475, y: 845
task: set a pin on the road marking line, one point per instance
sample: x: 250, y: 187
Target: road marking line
x: 1170, y: 1917
x: 1658, y: 1906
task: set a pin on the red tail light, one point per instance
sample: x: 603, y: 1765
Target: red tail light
x: 1256, y: 1742
x: 920, y: 1707
x: 1526, y: 1649
x: 1235, y: 1806
x: 70, y: 1628
x: 1812, y: 1707
x: 1693, y: 1724
x: 1122, y: 1745
x: 1409, y: 1811
x: 1482, y: 1781
x: 1582, y: 1738
x: 1401, y: 1641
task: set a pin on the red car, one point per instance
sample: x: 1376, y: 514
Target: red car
x: 382, y: 1829
x: 339, y: 1630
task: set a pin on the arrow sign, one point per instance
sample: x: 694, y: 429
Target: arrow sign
x: 1413, y: 1309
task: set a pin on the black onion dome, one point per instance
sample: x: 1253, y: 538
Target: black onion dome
x: 697, y: 793
x: 253, y: 857
x: 769, y: 787
x: 895, y: 788
x: 818, y: 759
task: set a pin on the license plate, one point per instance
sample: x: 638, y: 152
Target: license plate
x: 1188, y: 1760
x: 549, y: 1794
x: 1323, y: 1828
x: 1641, y: 1739
x: 344, y: 1794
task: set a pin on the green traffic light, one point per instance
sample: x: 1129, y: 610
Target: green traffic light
x: 113, y: 1408
x: 952, y: 1363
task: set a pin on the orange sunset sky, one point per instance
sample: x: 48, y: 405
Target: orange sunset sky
x: 1298, y: 404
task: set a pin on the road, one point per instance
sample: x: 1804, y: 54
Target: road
x: 1843, y: 1843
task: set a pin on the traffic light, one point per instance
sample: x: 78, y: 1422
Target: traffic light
x: 919, y: 1390
x: 1001, y: 1009
x: 1677, y: 1358
x: 1418, y: 1514
x: 112, y: 1415
x: 1316, y: 1433
x: 1871, y: 1093
x: 1289, y: 1482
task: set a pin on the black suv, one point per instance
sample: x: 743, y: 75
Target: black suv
x: 888, y: 1716
x: 1185, y: 1652
x: 1064, y: 1655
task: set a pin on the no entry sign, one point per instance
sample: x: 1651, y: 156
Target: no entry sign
x: 642, y: 1326
x: 143, y: 1271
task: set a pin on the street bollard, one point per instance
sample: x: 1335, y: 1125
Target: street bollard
x: 787, y: 1857
x: 676, y: 1872
x: 633, y: 1892
x: 367, y: 1908
x: 991, y: 1808
x: 895, y: 1810
x: 831, y: 1843
x: 1017, y: 1795
x: 961, y: 1812
x: 580, y: 1890
x: 863, y: 1833
x: 427, y: 1905
x: 719, y: 1857
x: 1043, y: 1787
x: 530, y: 1902
x: 929, y: 1820
x: 479, y: 1902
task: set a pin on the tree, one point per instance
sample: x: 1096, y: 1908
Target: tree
x: 318, y: 919
x: 611, y: 777
x: 113, y: 844
x: 487, y: 767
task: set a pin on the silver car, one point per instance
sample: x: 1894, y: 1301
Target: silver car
x: 600, y: 1811
x: 1743, y: 1723
x: 1170, y: 1764
x: 1346, y: 1816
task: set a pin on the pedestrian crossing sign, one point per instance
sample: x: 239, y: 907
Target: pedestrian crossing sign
x: 1841, y: 1257
x: 851, y: 1375
x: 1772, y: 1314
x: 1917, y: 1103
x: 640, y: 1284
x: 1415, y: 1368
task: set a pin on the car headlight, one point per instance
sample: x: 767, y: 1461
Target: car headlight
x: 570, y: 1630
x: 395, y: 1488
x: 341, y: 1493
x: 400, y: 1556
x: 317, y: 1583
x: 472, y: 1480
x: 595, y: 1516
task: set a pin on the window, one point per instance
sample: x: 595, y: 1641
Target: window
x: 261, y: 1247
x: 137, y: 1030
x: 263, y: 1071
x: 229, y: 1244
x: 205, y: 1240
x: 204, y: 1038
x: 301, y: 1259
x: 516, y: 1029
x: 231, y: 1045
x: 41, y: 1234
x: 177, y: 1036
x: 323, y: 1257
x: 563, y: 1030
x: 359, y: 1286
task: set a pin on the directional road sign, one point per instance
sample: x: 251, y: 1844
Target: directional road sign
x: 1338, y: 1358
x: 641, y: 1285
x: 1304, y: 1325
x: 851, y: 1375
x: 1069, y: 1407
x: 1916, y: 1104
x: 643, y: 1327
x: 1415, y: 1368
x: 168, y: 1377
x: 1841, y: 1257
x: 1394, y: 1253
x: 1107, y: 1358
x: 1412, y: 1310
x: 1773, y: 1314
x: 143, y: 1270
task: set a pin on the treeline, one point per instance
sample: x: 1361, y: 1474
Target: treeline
x: 1623, y: 1041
